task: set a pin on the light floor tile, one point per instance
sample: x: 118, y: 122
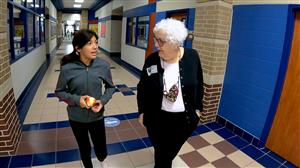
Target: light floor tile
x: 179, y: 163
x: 211, y: 137
x: 210, y: 153
x: 141, y: 157
x: 74, y: 164
x: 240, y: 158
x: 186, y: 148
x: 254, y: 165
x: 119, y: 160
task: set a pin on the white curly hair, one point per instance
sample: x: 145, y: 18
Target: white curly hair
x: 175, y: 30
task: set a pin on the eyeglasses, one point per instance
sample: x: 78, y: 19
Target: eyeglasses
x: 160, y: 42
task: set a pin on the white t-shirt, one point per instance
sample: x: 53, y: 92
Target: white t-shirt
x: 171, y: 77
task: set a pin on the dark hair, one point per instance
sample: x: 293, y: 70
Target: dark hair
x: 80, y: 38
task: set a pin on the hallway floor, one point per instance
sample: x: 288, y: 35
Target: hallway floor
x: 47, y: 139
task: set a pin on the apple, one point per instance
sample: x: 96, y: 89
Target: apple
x: 90, y: 101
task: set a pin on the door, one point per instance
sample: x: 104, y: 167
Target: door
x: 284, y: 137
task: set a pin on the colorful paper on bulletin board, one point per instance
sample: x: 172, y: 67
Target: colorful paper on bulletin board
x: 94, y: 27
x: 103, y: 29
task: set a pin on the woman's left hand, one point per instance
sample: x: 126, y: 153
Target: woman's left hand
x: 97, y: 107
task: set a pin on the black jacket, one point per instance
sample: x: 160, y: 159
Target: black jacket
x: 150, y: 88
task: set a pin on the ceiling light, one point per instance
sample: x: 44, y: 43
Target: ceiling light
x: 79, y: 1
x: 77, y: 5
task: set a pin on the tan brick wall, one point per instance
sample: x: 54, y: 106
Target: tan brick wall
x: 84, y: 19
x: 212, y: 33
x: 10, y: 128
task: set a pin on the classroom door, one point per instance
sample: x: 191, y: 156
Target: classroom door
x: 284, y: 137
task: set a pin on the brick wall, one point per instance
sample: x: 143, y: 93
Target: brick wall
x: 212, y: 33
x: 10, y: 128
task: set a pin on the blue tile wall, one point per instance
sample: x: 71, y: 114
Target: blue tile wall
x: 255, y: 52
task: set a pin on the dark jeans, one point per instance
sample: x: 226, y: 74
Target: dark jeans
x: 96, y: 130
x: 168, y: 132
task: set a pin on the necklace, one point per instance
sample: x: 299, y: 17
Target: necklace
x: 172, y: 94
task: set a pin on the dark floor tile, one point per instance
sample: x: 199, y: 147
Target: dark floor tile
x: 124, y: 125
x: 36, y: 147
x: 112, y: 137
x: 67, y: 156
x: 253, y: 152
x: 201, y: 129
x: 224, y: 162
x: 21, y: 161
x: 276, y: 157
x: 133, y: 145
x: 62, y: 124
x: 193, y: 159
x: 132, y: 115
x: 43, y: 159
x: 225, y: 133
x: 30, y: 127
x: 225, y: 147
x: 289, y: 165
x: 115, y: 148
x: 46, y: 135
x: 4, y: 161
x: 142, y: 132
x: 213, y: 125
x: 66, y: 144
x: 198, y: 142
x: 135, y: 123
x: 128, y: 134
x: 237, y: 142
x: 49, y: 125
x: 147, y: 142
x: 128, y: 93
x: 268, y: 162
x: 64, y: 133
x: 119, y: 116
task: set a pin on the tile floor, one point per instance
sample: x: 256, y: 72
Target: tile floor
x: 47, y: 140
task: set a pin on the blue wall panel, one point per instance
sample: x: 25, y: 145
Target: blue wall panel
x: 255, y: 53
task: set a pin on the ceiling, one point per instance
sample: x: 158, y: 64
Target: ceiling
x: 66, y: 6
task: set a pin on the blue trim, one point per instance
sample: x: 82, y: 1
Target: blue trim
x: 71, y: 10
x: 282, y: 71
x: 98, y: 4
x: 190, y: 25
x: 91, y: 15
x: 111, y: 17
x: 140, y: 11
x: 24, y: 101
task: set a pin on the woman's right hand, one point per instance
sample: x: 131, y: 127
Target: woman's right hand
x: 141, y: 119
x: 82, y: 101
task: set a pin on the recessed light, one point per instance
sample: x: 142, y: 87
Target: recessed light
x: 79, y: 1
x: 77, y: 5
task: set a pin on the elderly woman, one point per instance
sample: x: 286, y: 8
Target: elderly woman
x: 170, y: 92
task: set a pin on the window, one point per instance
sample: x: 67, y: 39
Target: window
x: 19, y: 35
x: 143, y: 28
x: 131, y: 31
x: 26, y: 26
x: 30, y: 30
x: 20, y: 2
x: 37, y: 30
x: 42, y: 29
x: 138, y: 31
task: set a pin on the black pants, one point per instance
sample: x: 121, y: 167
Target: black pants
x: 96, y: 130
x: 168, y: 132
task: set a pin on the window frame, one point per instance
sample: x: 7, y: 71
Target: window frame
x: 36, y: 14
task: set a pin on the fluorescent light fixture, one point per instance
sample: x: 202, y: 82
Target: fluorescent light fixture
x: 77, y: 5
x: 79, y: 1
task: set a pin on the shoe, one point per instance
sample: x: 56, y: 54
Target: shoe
x: 104, y: 164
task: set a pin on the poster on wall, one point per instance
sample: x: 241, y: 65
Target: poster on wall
x: 103, y: 29
x: 52, y: 29
x: 94, y: 27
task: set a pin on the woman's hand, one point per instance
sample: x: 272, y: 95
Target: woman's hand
x: 141, y: 119
x: 82, y: 101
x: 97, y: 107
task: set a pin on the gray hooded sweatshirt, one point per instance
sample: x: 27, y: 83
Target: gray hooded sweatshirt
x: 76, y: 79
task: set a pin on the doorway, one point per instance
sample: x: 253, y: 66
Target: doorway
x: 284, y: 136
